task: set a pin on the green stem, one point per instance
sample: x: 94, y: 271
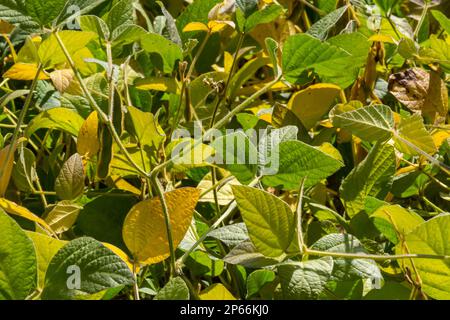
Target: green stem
x: 422, y: 19
x: 301, y: 243
x: 21, y: 119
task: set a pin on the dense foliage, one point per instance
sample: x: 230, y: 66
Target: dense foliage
x: 236, y: 149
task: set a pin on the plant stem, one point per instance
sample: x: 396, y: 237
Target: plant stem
x: 21, y: 119
x: 301, y: 243
x: 422, y: 19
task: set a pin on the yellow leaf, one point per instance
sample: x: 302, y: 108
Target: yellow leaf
x: 144, y: 229
x: 62, y: 216
x: 46, y: 248
x: 195, y: 26
x: 6, y: 166
x: 216, y: 26
x: 24, y: 71
x: 61, y: 79
x: 87, y: 142
x: 122, y: 184
x: 381, y: 38
x: 158, y: 84
x: 439, y: 136
x: 122, y: 255
x: 311, y: 104
x: 5, y: 27
x: 13, y: 208
x: 216, y: 291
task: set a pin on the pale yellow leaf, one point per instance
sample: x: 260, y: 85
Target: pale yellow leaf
x: 217, y: 291
x: 62, y: 79
x: 157, y: 84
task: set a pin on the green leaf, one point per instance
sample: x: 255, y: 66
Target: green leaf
x: 24, y: 170
x: 412, y: 135
x: 120, y: 14
x: 245, y: 254
x: 303, y: 52
x: 298, y: 160
x: 202, y: 264
x: 50, y: 52
x: 248, y: 7
x: 320, y: 29
x: 168, y: 53
x: 69, y: 184
x: 18, y: 266
x: 327, y: 5
x: 175, y: 289
x: 57, y: 118
x: 257, y: 280
x: 269, y: 220
x: 46, y: 248
x: 394, y: 221
x: 371, y: 177
x: 85, y: 259
x: 237, y: 154
x: 231, y: 235
x: 95, y: 24
x: 304, y: 280
x: 442, y: 19
x: 266, y: 15
x: 44, y: 12
x: 347, y: 269
x: 431, y: 237
x: 372, y: 123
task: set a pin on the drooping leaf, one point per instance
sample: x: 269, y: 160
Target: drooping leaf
x: 87, y: 141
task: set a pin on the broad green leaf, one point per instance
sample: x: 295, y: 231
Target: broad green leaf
x: 144, y: 126
x: 266, y: 15
x: 355, y: 43
x: 84, y: 267
x: 269, y: 220
x: 95, y: 24
x: 304, y: 280
x: 431, y: 237
x: 103, y: 217
x: 311, y: 104
x: 268, y: 145
x: 412, y: 135
x: 18, y: 266
x: 298, y: 160
x: 50, y: 52
x: 303, y: 52
x: 371, y: 177
x: 57, y: 118
x: 168, y: 52
x: 245, y: 254
x: 236, y: 153
x: 120, y: 14
x: 175, y: 289
x: 62, y: 216
x: 348, y: 269
x: 442, y: 19
x: 186, y: 153
x: 372, y: 123
x: 202, y: 264
x: 46, y: 248
x: 327, y: 5
x: 144, y: 229
x: 15, y: 12
x: 216, y: 291
x: 248, y: 7
x: 320, y: 29
x: 24, y: 171
x: 391, y: 290
x: 394, y: 221
x: 44, y: 12
x: 231, y: 235
x: 257, y: 280
x: 69, y: 183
